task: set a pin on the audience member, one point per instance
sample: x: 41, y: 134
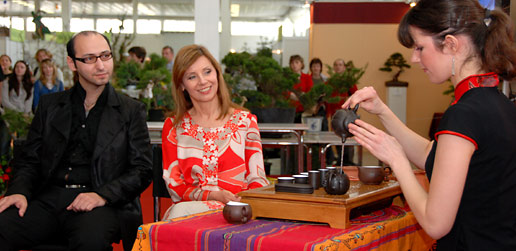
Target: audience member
x: 316, y: 67
x: 168, y: 53
x: 41, y: 55
x: 17, y: 89
x: 471, y: 164
x: 304, y: 85
x: 137, y: 54
x: 211, y: 146
x: 7, y: 69
x: 84, y: 164
x: 47, y: 82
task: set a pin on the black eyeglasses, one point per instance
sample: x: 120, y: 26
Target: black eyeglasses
x: 93, y: 59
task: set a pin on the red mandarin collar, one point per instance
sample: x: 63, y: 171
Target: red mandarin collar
x: 481, y: 80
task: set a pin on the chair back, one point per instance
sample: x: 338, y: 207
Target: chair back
x: 159, y: 189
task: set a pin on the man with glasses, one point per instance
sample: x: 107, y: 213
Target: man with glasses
x: 86, y: 160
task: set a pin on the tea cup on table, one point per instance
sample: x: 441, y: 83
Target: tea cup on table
x: 237, y: 212
x: 300, y: 179
x: 283, y: 180
x: 371, y: 175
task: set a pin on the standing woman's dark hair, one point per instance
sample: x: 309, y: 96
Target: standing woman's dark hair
x: 26, y: 82
x: 491, y: 32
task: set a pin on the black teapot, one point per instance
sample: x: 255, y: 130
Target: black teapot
x: 341, y: 120
x: 338, y: 183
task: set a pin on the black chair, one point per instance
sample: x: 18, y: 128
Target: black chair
x: 159, y: 189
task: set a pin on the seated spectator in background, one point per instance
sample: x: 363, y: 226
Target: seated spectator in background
x: 168, y: 53
x: 7, y: 69
x: 137, y: 54
x: 17, y: 89
x: 47, y: 82
x: 316, y: 67
x: 211, y: 146
x: 304, y: 85
x: 41, y: 55
x: 86, y: 160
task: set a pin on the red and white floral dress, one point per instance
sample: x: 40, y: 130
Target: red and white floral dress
x: 199, y: 160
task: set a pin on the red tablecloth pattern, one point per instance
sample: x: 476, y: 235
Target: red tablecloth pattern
x: 392, y: 228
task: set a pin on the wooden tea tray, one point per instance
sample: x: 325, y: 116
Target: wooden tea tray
x: 319, y: 206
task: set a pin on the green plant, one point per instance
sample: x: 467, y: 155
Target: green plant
x: 272, y: 82
x: 127, y: 73
x: 395, y: 60
x: 153, y: 78
x: 17, y: 122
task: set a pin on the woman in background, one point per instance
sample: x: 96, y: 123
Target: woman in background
x: 316, y: 67
x: 6, y: 64
x: 47, y: 82
x: 211, y: 146
x: 471, y: 165
x: 304, y: 85
x: 17, y: 89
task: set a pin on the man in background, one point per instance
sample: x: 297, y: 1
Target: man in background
x: 168, y: 53
x: 137, y: 54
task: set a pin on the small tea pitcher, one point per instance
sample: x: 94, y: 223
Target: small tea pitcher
x: 341, y: 120
x: 338, y: 183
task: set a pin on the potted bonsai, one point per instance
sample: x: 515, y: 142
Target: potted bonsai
x: 152, y: 85
x: 268, y: 97
x: 395, y: 60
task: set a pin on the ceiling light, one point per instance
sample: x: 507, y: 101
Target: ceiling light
x: 235, y: 10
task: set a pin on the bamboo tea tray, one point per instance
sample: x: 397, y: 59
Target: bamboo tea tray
x: 318, y: 206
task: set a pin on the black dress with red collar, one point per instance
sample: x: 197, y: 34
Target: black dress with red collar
x: 486, y: 218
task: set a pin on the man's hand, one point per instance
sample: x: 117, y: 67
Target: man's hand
x: 18, y: 200
x: 86, y: 202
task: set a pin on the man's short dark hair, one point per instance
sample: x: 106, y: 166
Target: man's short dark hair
x: 168, y: 47
x: 70, y: 46
x: 140, y: 52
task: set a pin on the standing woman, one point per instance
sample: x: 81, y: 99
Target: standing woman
x: 471, y: 202
x: 47, y: 82
x: 304, y: 85
x: 17, y: 89
x: 211, y: 146
x: 316, y: 67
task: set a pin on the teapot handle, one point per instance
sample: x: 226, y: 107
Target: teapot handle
x: 355, y: 109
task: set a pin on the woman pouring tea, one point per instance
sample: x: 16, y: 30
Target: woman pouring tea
x: 471, y: 165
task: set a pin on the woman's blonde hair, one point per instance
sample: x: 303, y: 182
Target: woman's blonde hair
x: 42, y: 76
x: 185, y: 58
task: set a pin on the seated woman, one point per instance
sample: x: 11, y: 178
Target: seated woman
x: 47, y: 82
x: 17, y: 89
x: 211, y: 146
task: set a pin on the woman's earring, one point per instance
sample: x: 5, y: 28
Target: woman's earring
x: 453, y: 66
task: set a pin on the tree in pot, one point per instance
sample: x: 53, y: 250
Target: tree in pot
x: 152, y: 84
x: 395, y: 60
x: 268, y: 97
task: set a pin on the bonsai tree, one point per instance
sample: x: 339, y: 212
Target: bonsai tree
x: 395, y: 60
x: 153, y: 80
x: 336, y: 84
x: 156, y: 82
x: 271, y: 81
x: 127, y: 74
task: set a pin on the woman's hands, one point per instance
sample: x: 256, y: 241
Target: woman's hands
x: 223, y: 196
x: 368, y: 100
x: 382, y: 145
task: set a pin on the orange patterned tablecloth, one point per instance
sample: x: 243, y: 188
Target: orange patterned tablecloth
x: 392, y: 228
